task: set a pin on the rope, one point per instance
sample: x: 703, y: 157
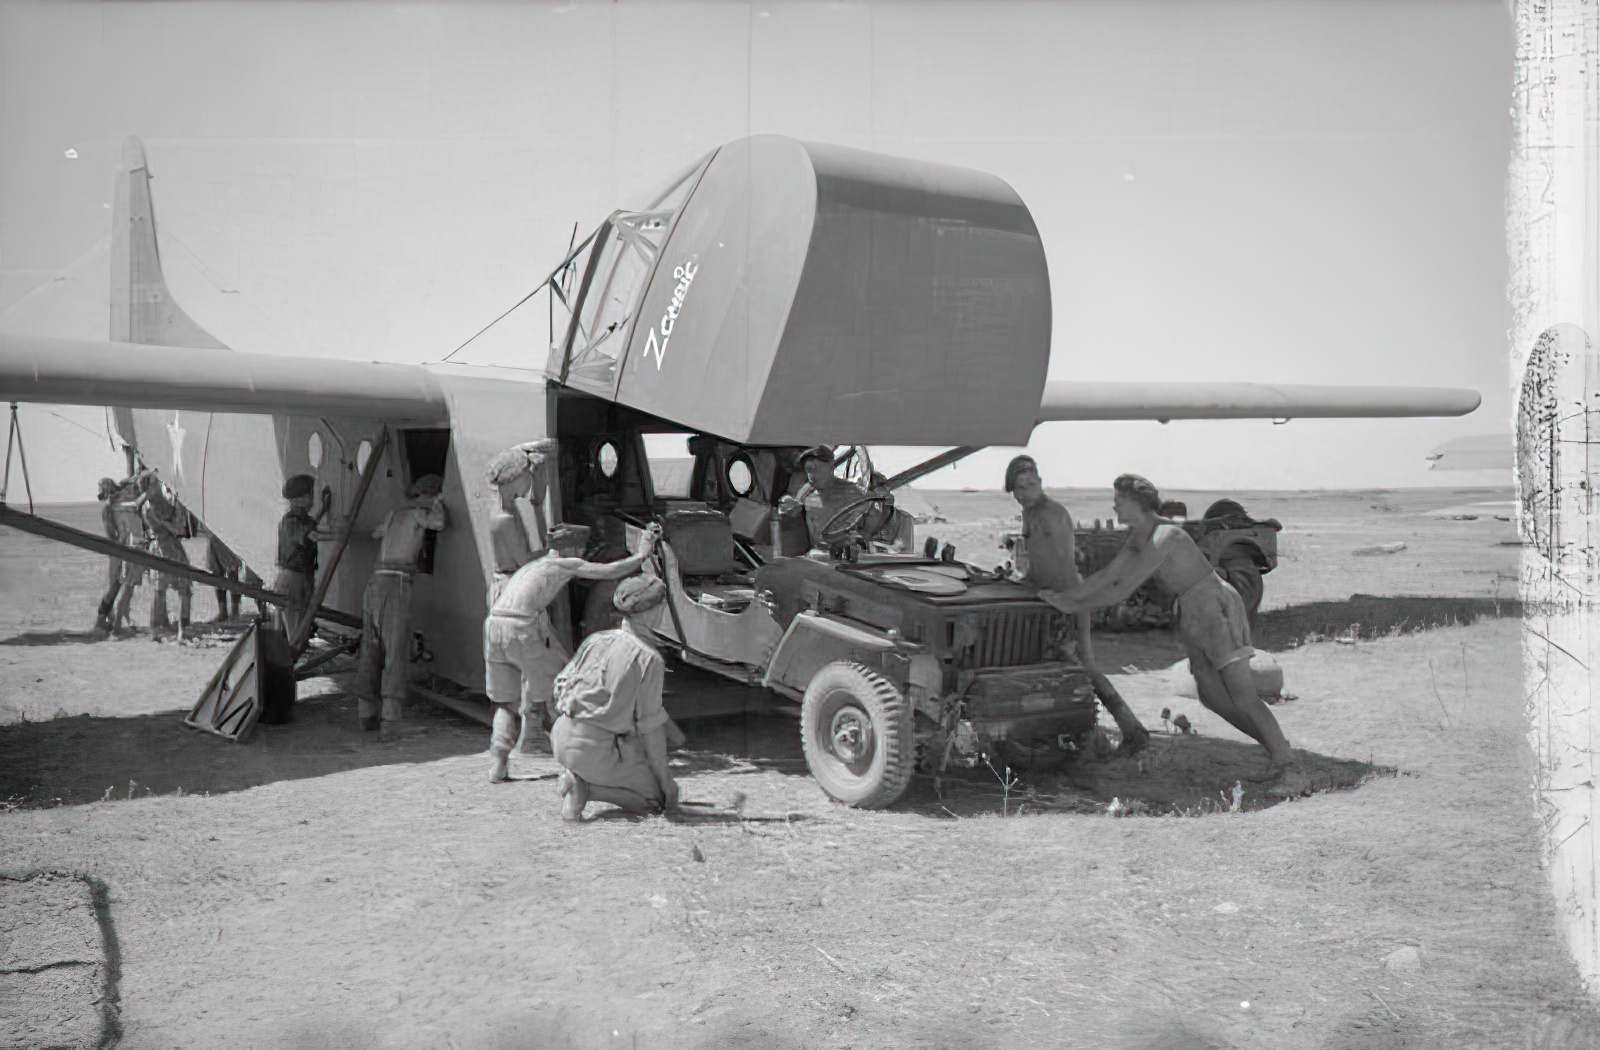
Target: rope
x: 537, y: 289
x: 491, y: 324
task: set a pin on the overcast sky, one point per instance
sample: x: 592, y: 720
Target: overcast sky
x: 1278, y: 191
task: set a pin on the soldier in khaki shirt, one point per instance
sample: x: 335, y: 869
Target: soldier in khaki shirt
x: 1051, y: 541
x: 611, y: 737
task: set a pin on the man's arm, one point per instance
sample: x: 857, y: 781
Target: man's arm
x: 510, y: 539
x: 1114, y: 583
x: 614, y: 570
x: 436, y: 517
x: 655, y: 738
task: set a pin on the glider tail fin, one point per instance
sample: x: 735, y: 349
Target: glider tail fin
x: 142, y: 307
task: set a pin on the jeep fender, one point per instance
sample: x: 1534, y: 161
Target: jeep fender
x: 814, y: 641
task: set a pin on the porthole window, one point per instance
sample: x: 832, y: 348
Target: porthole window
x: 363, y: 453
x: 608, y: 459
x: 741, y: 479
x: 314, y: 450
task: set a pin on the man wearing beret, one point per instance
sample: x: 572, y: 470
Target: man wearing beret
x: 386, y: 604
x: 521, y: 652
x: 297, y: 549
x: 1051, y: 543
x: 1211, y: 616
x: 825, y: 493
x: 611, y: 737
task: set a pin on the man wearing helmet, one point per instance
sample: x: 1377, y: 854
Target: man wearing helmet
x: 298, y: 535
x: 520, y: 472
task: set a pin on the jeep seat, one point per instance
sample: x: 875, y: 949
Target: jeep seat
x: 702, y: 540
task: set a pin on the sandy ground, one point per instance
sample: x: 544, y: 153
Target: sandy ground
x: 331, y: 891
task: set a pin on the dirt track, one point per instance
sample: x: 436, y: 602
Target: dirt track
x: 342, y: 893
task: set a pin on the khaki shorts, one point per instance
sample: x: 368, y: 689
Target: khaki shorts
x: 521, y: 659
x: 604, y: 758
x: 1213, y: 624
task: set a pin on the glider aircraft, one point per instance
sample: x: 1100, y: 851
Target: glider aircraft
x: 777, y: 295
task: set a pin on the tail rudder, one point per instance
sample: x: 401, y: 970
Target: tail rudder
x: 142, y: 307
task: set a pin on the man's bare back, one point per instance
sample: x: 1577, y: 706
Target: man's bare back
x: 533, y: 587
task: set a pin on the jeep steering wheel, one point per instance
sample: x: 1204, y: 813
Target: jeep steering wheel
x: 832, y: 532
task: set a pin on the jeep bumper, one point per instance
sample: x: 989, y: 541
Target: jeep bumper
x: 1041, y: 701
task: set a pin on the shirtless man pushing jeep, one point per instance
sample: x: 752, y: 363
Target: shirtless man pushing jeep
x: 1211, y: 615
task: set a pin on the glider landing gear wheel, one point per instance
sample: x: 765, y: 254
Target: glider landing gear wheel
x: 856, y: 731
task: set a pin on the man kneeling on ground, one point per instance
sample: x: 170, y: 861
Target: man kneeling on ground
x: 611, y: 736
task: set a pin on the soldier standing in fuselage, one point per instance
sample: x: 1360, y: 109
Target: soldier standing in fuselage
x: 386, y: 605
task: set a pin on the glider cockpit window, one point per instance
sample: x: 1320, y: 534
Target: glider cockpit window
x: 595, y: 292
x: 625, y: 253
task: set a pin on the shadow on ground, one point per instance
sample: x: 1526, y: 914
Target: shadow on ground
x: 53, y: 638
x: 1362, y: 617
x: 211, y: 632
x: 1176, y: 775
x: 82, y: 759
x: 74, y: 760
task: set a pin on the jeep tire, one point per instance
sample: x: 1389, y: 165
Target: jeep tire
x: 855, y: 729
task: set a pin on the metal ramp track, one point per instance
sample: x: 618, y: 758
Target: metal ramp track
x: 54, y: 530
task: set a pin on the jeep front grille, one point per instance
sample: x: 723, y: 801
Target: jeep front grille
x: 1009, y: 637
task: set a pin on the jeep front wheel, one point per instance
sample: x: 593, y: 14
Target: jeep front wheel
x: 856, y: 731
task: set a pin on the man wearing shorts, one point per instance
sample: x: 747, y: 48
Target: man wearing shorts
x: 1211, y: 615
x: 611, y: 737
x: 521, y: 653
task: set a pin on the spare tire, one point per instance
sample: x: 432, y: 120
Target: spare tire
x: 1225, y: 508
x: 1238, y: 566
x: 855, y: 729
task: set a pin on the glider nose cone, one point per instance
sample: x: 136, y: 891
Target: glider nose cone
x: 132, y: 154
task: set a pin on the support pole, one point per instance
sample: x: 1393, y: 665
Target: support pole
x: 302, y: 631
x: 943, y: 459
x: 14, y: 437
